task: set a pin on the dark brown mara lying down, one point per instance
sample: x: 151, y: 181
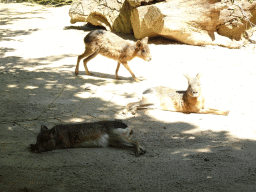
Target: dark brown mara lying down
x: 96, y: 134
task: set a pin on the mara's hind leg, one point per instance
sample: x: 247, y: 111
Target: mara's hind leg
x: 119, y: 140
x: 132, y: 106
x: 86, y: 61
x: 86, y: 53
x: 145, y: 102
x: 213, y: 111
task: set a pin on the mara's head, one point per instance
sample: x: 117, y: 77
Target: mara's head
x: 45, y: 140
x: 143, y: 49
x: 194, y: 85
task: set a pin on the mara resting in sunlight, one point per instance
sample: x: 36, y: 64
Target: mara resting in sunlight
x: 189, y: 101
x: 96, y: 134
x: 114, y: 47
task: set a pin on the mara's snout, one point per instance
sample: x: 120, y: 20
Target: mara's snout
x: 148, y: 59
x: 195, y: 94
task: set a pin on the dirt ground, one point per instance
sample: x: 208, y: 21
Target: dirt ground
x: 185, y: 152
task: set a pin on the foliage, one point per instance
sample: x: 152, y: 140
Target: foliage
x: 41, y: 2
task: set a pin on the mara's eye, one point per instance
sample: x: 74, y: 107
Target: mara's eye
x: 143, y: 50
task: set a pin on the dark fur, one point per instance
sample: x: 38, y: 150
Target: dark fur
x: 96, y: 134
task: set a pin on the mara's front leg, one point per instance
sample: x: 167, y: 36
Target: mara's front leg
x: 128, y: 68
x: 117, y: 69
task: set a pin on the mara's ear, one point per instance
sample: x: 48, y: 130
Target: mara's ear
x: 145, y: 40
x: 187, y: 76
x: 199, y: 75
x: 53, y: 132
x: 43, y: 128
x: 138, y: 44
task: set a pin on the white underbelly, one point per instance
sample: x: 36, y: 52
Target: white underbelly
x: 103, y: 141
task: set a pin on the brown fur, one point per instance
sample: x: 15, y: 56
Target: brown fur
x: 96, y: 134
x: 189, y: 101
x: 114, y: 47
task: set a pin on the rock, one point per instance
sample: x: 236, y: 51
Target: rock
x: 250, y: 34
x: 197, y: 22
x: 236, y: 19
x: 114, y: 15
x: 190, y: 22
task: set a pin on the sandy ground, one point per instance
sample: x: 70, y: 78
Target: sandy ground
x: 185, y: 152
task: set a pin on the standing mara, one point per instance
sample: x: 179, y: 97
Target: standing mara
x: 114, y: 47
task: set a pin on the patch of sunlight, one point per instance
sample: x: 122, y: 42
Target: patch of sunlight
x: 83, y: 95
x: 185, y: 152
x: 31, y: 87
x: 10, y: 128
x: 12, y: 86
x: 107, y: 96
x: 69, y: 87
x: 30, y: 69
x: 162, y: 115
x: 234, y: 126
x: 73, y: 120
x: 176, y: 152
x: 55, y: 85
x: 204, y: 150
x: 48, y: 86
x: 194, y: 131
x: 246, y: 133
x: 191, y: 137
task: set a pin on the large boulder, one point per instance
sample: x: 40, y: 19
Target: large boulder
x: 197, y: 22
x: 191, y: 22
x: 114, y: 15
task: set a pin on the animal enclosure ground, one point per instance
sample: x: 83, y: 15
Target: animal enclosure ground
x: 195, y: 152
